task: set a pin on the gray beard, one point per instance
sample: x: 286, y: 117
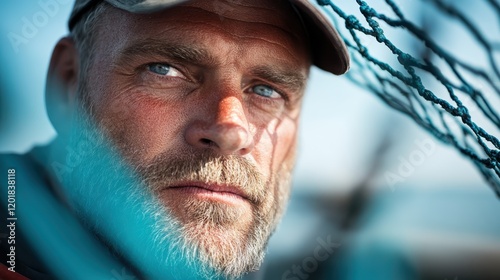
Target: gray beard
x: 121, y: 205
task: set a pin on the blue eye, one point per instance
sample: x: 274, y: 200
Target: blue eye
x: 160, y: 69
x: 265, y: 91
x: 164, y: 70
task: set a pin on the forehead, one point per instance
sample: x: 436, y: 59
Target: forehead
x: 240, y: 24
x: 277, y: 14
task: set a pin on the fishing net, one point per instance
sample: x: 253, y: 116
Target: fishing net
x: 450, y: 88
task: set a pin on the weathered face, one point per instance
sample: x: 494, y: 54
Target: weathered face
x: 203, y: 100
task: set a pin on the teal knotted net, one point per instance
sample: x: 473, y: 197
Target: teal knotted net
x: 450, y: 88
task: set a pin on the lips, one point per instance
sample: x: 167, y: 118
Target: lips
x: 209, y: 189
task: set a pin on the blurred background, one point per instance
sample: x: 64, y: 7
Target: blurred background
x: 374, y: 195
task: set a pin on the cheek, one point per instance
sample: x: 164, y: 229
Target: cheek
x: 286, y: 143
x: 278, y: 153
x: 142, y: 127
x: 276, y: 145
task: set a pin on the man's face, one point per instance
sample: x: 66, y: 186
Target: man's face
x: 203, y: 101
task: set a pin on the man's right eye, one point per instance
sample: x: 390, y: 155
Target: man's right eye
x: 164, y: 70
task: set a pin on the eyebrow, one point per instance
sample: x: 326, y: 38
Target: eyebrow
x: 293, y: 80
x: 151, y: 47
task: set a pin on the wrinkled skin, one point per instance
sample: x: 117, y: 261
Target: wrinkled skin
x: 203, y: 101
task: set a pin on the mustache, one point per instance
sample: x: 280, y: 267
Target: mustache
x: 165, y: 171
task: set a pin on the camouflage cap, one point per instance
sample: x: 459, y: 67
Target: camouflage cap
x: 328, y: 49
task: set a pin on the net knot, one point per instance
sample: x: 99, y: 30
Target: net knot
x: 404, y: 58
x: 367, y: 10
x: 378, y: 32
x: 351, y: 22
x: 462, y: 111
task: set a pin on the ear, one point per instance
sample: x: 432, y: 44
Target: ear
x: 62, y: 83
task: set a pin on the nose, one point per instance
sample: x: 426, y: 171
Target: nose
x: 224, y: 128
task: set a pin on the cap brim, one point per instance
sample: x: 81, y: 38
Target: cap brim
x: 330, y: 52
x: 145, y: 6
